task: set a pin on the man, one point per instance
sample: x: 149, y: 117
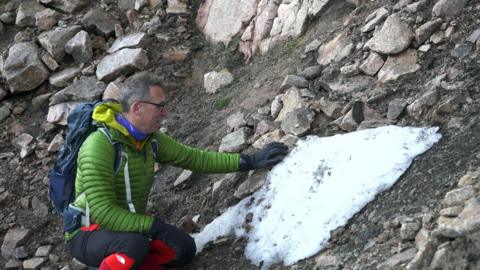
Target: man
x: 117, y: 234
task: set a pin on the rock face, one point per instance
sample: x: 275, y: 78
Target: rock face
x: 268, y: 21
x: 135, y: 40
x: 23, y: 69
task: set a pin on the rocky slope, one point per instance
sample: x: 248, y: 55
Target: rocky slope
x: 312, y: 68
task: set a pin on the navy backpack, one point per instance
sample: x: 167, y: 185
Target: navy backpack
x: 62, y: 176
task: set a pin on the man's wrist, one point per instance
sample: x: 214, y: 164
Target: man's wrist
x: 247, y: 163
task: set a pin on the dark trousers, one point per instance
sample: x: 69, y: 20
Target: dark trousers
x: 92, y: 246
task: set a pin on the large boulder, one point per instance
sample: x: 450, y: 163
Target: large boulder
x: 23, y: 68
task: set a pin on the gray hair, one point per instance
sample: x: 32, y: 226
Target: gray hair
x: 137, y: 87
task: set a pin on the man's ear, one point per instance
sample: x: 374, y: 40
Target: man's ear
x: 135, y: 108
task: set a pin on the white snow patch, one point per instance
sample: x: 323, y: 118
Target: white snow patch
x: 321, y: 184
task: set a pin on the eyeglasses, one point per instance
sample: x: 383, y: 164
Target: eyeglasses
x: 160, y: 106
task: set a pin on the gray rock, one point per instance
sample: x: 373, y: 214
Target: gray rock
x: 85, y: 89
x: 374, y: 19
x: 395, y: 108
x: 420, y: 105
x: 20, y: 253
x: 293, y: 80
x: 276, y: 106
x: 349, y: 70
x: 48, y: 60
x: 394, y: 37
x: 452, y: 211
x: 122, y: 62
x: 373, y: 123
x: 329, y: 108
x: 417, y: 6
x: 100, y: 22
x: 46, y: 19
x: 80, y: 47
x: 43, y: 251
x: 298, y: 122
x: 252, y: 184
x: 397, y: 259
x: 8, y: 18
x: 34, y: 263
x: 351, y: 85
x: 177, y: 7
x: 372, y: 64
x: 183, y: 177
x: 58, y: 113
x: 13, y: 264
x: 212, y: 81
x: 313, y: 45
x: 126, y: 4
x: 56, y: 144
x: 311, y: 72
x: 69, y: 6
x: 64, y: 77
x: 22, y: 141
x: 448, y: 8
x: 26, y: 13
x: 1, y: 27
x: 458, y: 196
x: 5, y: 111
x: 461, y: 50
x: 236, y: 141
x: 409, y: 230
x: 468, y: 221
x: 113, y: 91
x: 335, y: 50
x: 398, y: 65
x: 426, y: 30
x: 274, y: 136
x: 23, y: 69
x: 14, y: 238
x: 438, y: 37
x: 54, y: 41
x: 3, y: 93
x: 401, y: 4
x: 135, y: 40
x: 474, y: 36
x: 236, y: 120
x: 292, y: 100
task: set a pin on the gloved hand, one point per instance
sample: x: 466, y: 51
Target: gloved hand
x: 270, y: 155
x: 158, y: 228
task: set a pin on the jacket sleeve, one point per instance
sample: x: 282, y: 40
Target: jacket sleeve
x: 95, y: 168
x: 180, y: 155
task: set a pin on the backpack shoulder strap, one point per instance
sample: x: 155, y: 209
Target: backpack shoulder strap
x: 117, y: 147
x: 154, y: 145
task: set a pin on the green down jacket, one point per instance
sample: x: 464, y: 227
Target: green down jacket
x: 104, y: 189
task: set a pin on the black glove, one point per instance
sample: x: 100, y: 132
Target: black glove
x: 158, y: 228
x: 270, y: 155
